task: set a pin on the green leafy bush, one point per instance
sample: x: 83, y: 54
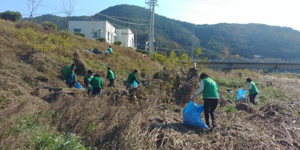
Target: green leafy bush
x: 142, y: 51
x: 50, y: 25
x: 230, y: 109
x: 79, y: 34
x: 101, y: 39
x: 118, y: 43
x: 11, y: 15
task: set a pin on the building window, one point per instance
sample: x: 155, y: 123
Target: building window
x: 108, y: 34
x: 95, y: 34
x: 99, y: 35
x: 77, y: 30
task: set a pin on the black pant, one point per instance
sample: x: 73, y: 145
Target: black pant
x: 252, y: 97
x: 112, y: 82
x: 96, y: 91
x: 72, y: 84
x: 89, y: 91
x: 209, y: 107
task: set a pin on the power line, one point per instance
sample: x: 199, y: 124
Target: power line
x: 114, y: 18
x: 129, y: 18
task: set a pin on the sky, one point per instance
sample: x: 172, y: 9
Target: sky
x: 271, y: 12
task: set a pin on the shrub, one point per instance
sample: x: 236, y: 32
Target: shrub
x: 230, y: 109
x: 101, y: 39
x: 142, y: 51
x: 50, y: 25
x: 118, y: 43
x: 11, y: 15
x: 79, y: 34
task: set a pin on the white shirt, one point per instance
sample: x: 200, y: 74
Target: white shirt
x: 249, y: 86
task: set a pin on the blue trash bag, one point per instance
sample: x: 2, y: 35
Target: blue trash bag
x: 134, y: 84
x: 78, y: 86
x: 241, y: 95
x: 191, y: 116
x: 106, y: 51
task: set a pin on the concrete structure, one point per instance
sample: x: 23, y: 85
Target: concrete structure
x: 126, y: 36
x: 251, y: 65
x: 94, y: 29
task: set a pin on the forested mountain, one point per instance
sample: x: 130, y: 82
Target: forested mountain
x: 216, y: 41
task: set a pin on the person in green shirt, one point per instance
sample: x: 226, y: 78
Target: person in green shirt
x: 111, y: 77
x: 87, y: 80
x: 71, y: 78
x: 67, y: 71
x: 96, y: 83
x: 110, y: 49
x: 209, y: 88
x: 253, y: 91
x: 131, y: 78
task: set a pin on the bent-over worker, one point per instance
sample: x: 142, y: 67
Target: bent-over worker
x: 209, y: 88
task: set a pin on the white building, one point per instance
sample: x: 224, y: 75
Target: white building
x: 94, y: 29
x: 126, y: 37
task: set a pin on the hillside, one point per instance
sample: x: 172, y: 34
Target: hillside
x: 245, y: 40
x: 39, y: 111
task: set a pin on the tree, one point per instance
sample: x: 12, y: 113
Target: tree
x: 197, y: 52
x: 225, y: 53
x: 33, y: 5
x: 118, y: 43
x: 175, y: 45
x: 68, y: 7
x: 50, y: 24
x: 11, y: 15
x: 237, y: 56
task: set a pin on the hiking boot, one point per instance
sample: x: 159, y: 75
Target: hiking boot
x: 208, y: 126
x: 214, y: 124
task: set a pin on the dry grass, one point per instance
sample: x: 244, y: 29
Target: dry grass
x: 31, y: 85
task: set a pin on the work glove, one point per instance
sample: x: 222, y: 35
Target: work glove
x: 90, y: 86
x: 76, y: 82
x: 192, y: 97
x: 65, y: 81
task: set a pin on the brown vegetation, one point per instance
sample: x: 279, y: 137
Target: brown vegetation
x: 147, y: 117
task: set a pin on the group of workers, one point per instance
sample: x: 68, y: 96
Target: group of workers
x: 94, y: 83
x: 209, y: 88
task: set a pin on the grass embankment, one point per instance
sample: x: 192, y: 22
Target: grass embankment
x: 38, y: 111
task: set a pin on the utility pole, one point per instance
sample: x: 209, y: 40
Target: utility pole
x: 193, y: 46
x: 153, y: 14
x: 151, y: 4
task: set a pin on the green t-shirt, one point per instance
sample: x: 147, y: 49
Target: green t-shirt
x: 210, y: 88
x: 131, y: 78
x: 97, y: 82
x: 111, y: 75
x: 254, y: 89
x: 66, y: 72
x: 110, y: 49
x: 88, y: 79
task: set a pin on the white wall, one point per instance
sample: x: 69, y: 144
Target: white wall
x: 126, y: 37
x: 102, y: 28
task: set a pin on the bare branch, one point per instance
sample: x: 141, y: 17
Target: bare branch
x: 33, y: 5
